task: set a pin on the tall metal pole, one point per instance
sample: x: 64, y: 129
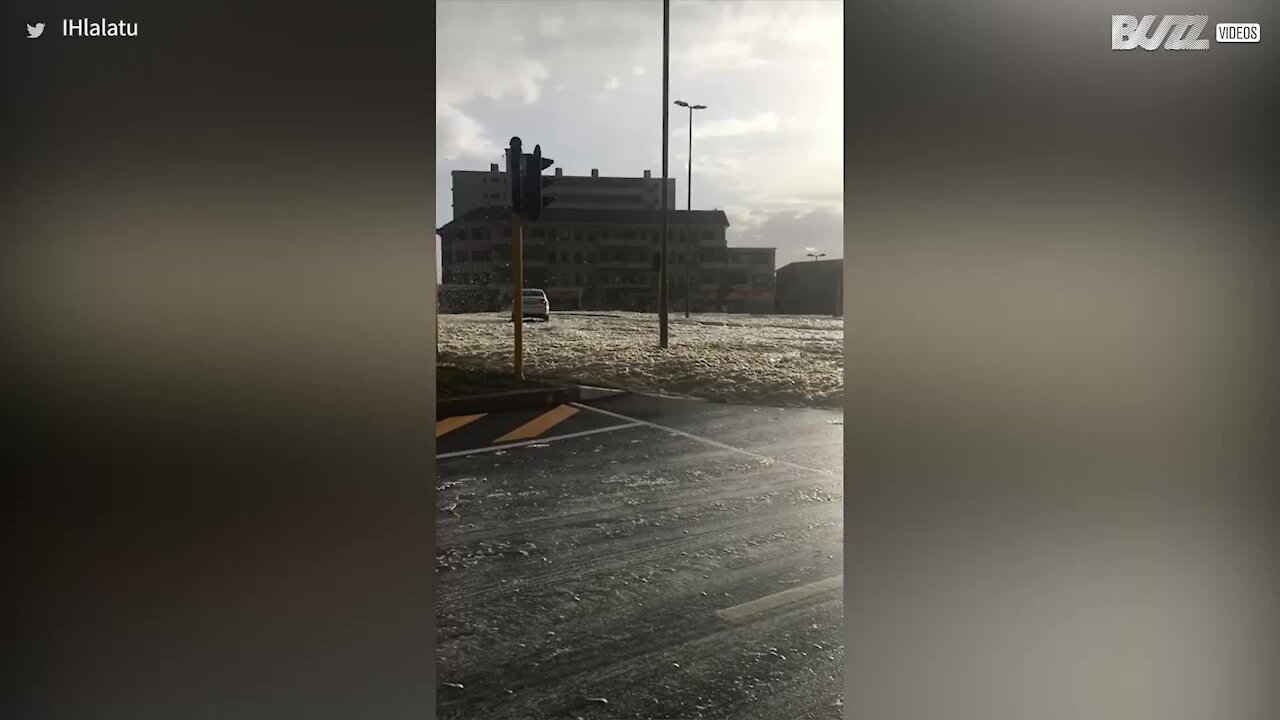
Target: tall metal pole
x: 662, y: 272
x: 688, y: 246
x: 517, y: 307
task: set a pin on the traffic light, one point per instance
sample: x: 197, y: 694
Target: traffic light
x: 515, y: 173
x: 533, y: 185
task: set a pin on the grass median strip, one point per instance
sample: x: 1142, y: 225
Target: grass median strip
x: 454, y: 382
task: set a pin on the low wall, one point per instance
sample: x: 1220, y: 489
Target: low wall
x: 452, y: 299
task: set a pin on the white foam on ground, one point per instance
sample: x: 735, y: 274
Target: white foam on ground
x: 761, y: 359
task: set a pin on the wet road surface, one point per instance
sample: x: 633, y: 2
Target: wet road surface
x: 640, y: 558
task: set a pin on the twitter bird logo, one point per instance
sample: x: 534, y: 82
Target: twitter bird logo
x: 35, y: 31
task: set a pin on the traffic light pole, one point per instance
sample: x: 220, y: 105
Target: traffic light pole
x: 527, y: 201
x: 517, y: 306
x: 662, y: 271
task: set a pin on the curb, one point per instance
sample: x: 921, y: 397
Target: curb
x: 521, y: 400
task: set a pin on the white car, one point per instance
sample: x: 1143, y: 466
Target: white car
x: 534, y: 303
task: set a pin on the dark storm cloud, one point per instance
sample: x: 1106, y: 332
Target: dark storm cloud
x: 792, y: 232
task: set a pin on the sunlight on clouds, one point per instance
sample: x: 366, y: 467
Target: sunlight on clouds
x: 467, y: 71
x: 731, y: 127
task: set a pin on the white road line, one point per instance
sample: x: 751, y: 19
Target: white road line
x: 534, y: 441
x: 748, y: 610
x: 708, y: 441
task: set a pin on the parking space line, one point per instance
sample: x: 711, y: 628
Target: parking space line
x: 707, y: 441
x: 540, y: 424
x: 748, y: 610
x: 450, y: 424
x: 507, y: 446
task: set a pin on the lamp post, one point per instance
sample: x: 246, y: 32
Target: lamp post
x: 688, y: 186
x: 815, y: 256
x: 662, y: 270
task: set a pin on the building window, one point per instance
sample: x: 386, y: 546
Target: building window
x: 564, y: 256
x: 577, y: 258
x: 506, y: 231
x: 477, y: 233
x: 591, y: 258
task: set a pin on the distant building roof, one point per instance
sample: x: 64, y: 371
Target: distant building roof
x: 601, y: 216
x: 583, y: 181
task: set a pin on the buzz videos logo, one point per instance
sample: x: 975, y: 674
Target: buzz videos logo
x: 1175, y: 32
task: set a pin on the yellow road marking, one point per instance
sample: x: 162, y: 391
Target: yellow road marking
x: 450, y: 424
x: 540, y: 424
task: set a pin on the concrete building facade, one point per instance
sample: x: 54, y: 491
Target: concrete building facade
x: 474, y: 189
x: 607, y: 258
x: 811, y: 288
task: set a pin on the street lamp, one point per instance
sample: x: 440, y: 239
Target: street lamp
x: 688, y: 186
x: 815, y: 256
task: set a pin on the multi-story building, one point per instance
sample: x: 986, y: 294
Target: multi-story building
x: 597, y: 246
x: 474, y: 189
x: 608, y: 258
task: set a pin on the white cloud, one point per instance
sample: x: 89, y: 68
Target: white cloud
x: 746, y: 36
x: 727, y: 55
x: 552, y: 26
x: 468, y: 72
x: 461, y: 137
x: 730, y: 127
x: 770, y: 142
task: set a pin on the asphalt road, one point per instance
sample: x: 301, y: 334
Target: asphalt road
x: 640, y: 558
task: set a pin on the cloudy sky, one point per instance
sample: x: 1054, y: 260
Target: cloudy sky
x: 583, y: 78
